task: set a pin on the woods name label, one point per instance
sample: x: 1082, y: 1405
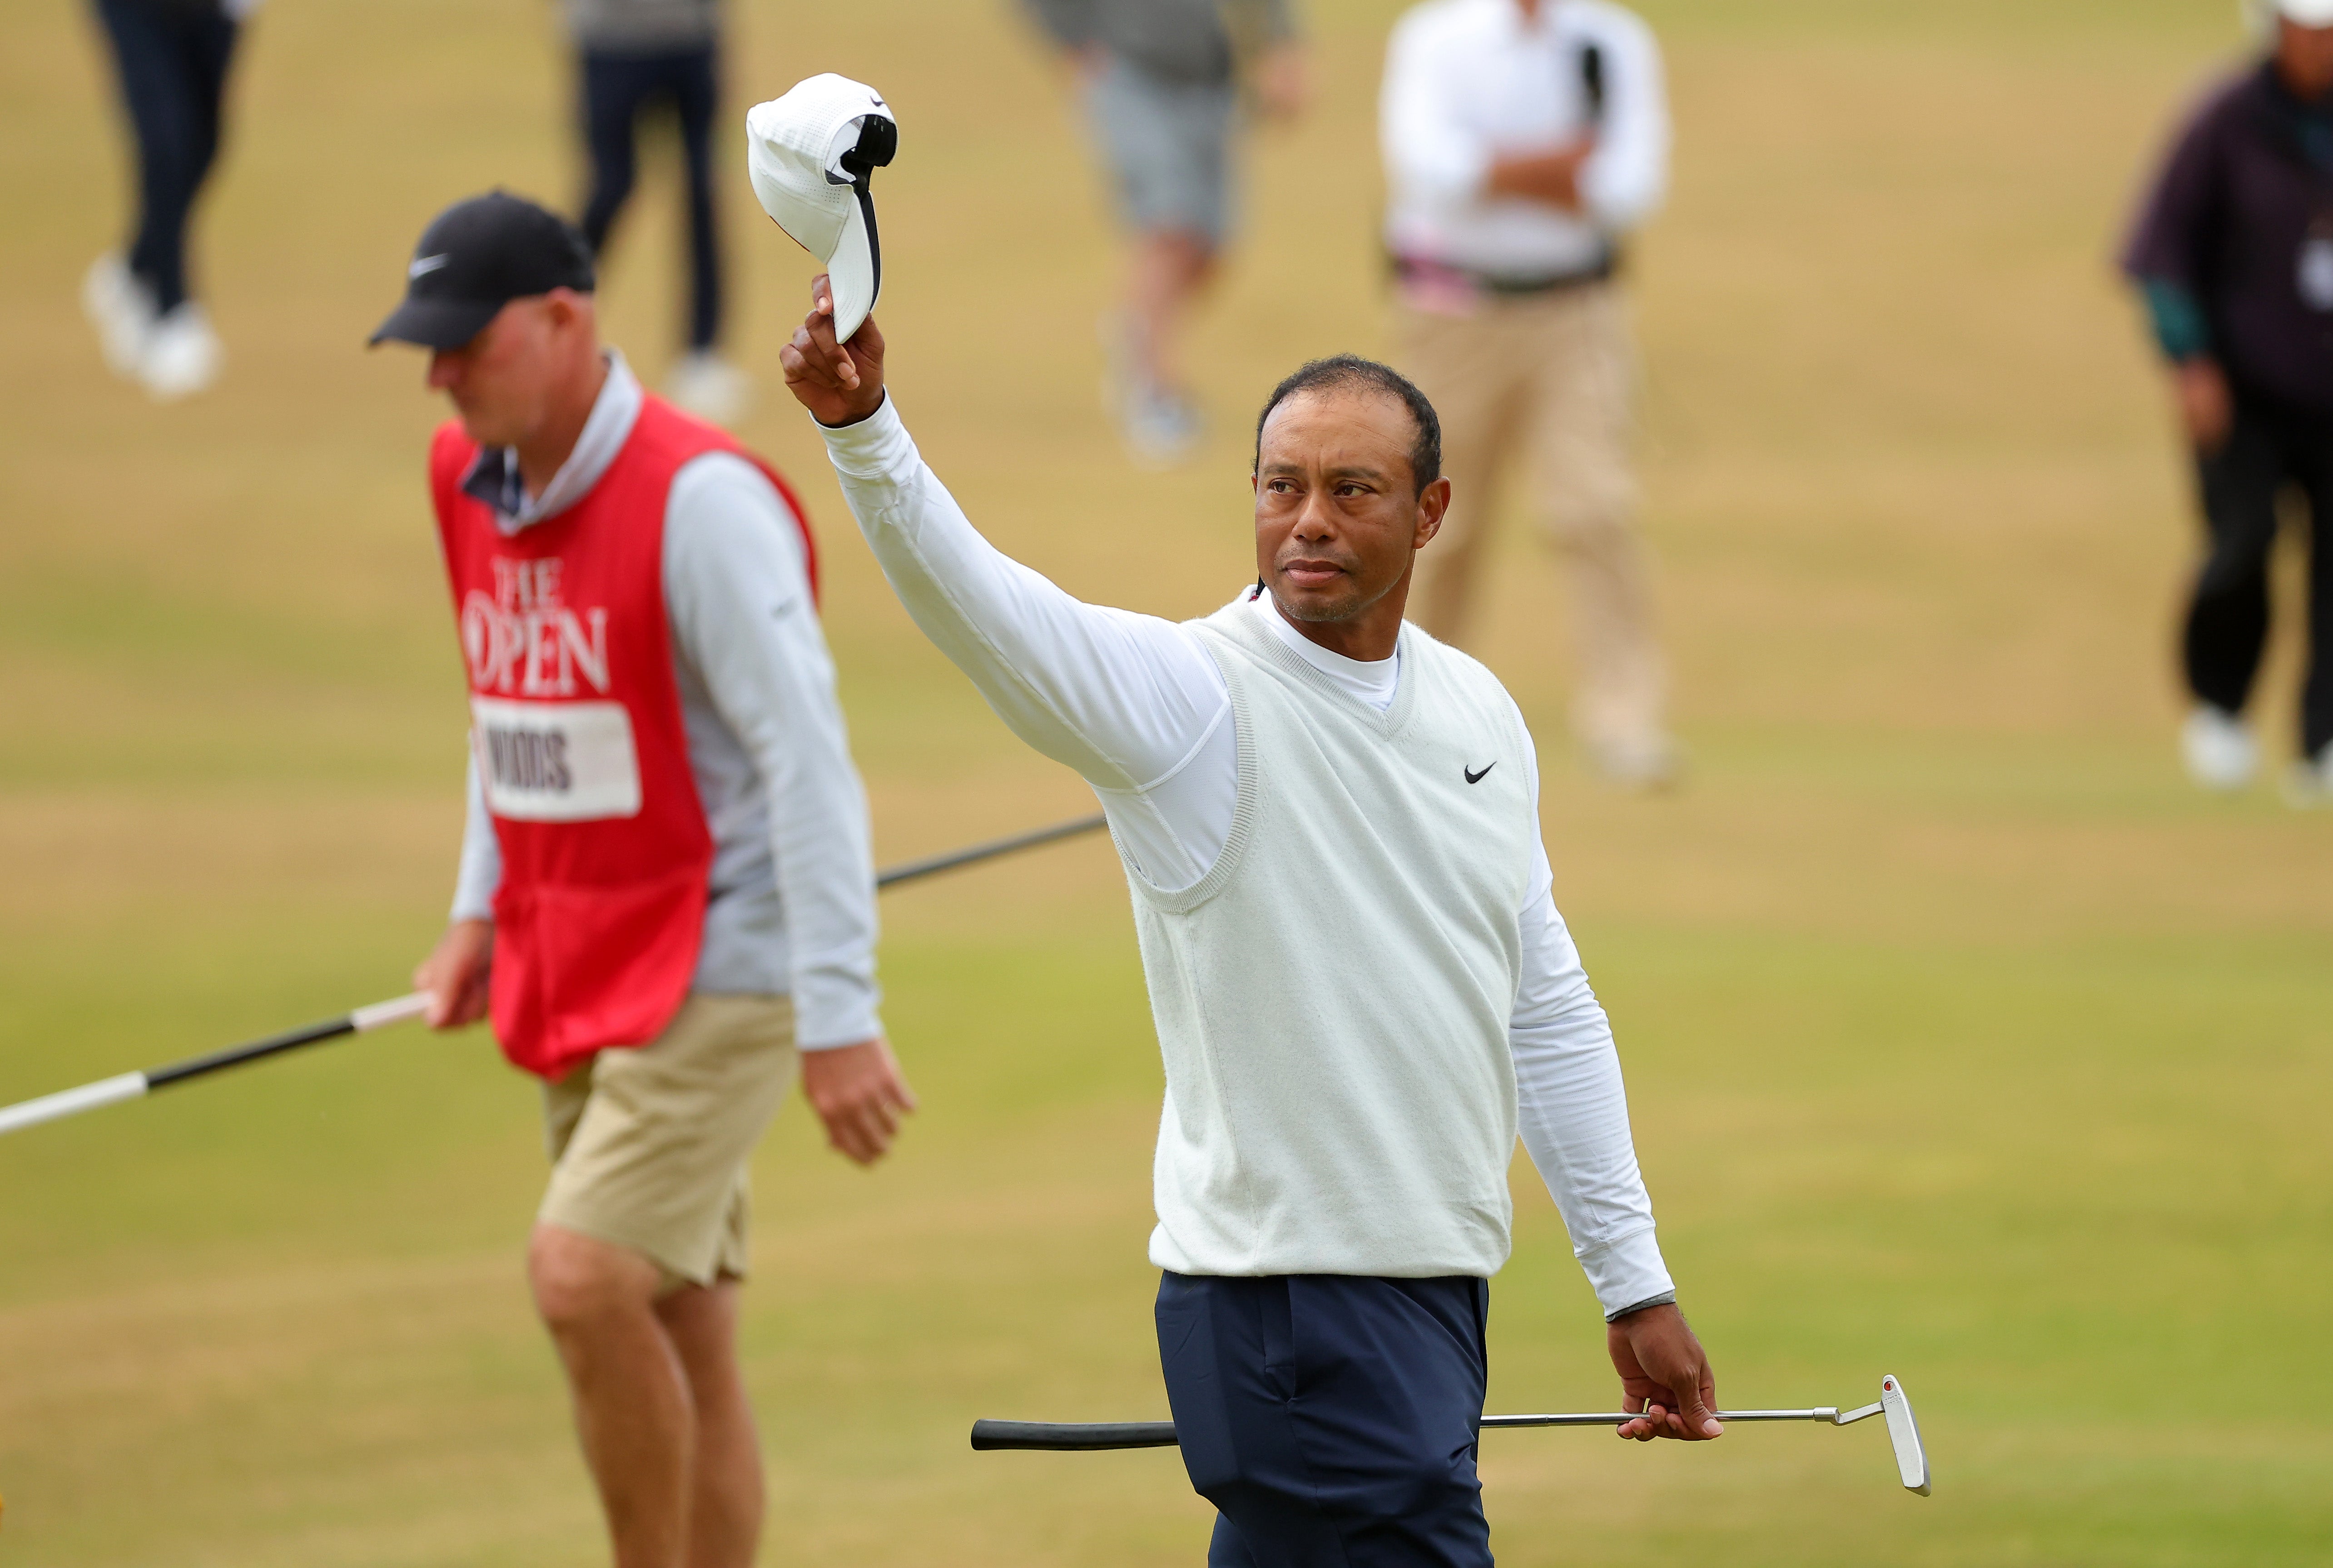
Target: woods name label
x: 545, y: 761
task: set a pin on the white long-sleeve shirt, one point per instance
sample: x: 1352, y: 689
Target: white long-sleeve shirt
x: 1470, y: 82
x: 792, y: 884
x: 1140, y: 708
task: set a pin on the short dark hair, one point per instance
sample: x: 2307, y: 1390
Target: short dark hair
x: 1341, y: 373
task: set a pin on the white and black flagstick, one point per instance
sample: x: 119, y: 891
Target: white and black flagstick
x: 136, y: 1085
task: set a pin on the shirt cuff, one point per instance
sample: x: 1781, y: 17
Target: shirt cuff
x: 2181, y: 328
x: 1666, y: 1298
x: 1627, y: 1272
x: 829, y: 1022
x: 876, y: 447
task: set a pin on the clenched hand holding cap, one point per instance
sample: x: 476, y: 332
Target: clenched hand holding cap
x: 811, y: 154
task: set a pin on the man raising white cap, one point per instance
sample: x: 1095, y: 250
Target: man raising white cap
x: 811, y: 155
x: 1361, y: 986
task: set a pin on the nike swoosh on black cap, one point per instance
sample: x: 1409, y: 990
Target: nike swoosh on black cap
x: 475, y: 258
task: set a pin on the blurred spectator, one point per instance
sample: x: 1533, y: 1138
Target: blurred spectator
x: 634, y: 56
x: 170, y: 58
x: 2233, y: 254
x: 1523, y: 139
x: 1160, y: 80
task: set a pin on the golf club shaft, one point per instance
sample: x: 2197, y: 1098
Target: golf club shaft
x: 915, y: 870
x: 1074, y: 1436
x: 132, y: 1085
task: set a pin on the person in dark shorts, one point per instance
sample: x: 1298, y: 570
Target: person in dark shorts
x: 2233, y: 255
x: 171, y: 61
x: 1362, y: 989
x: 633, y: 57
x: 1161, y: 81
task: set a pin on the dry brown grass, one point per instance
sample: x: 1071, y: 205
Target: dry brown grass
x: 1965, y: 1041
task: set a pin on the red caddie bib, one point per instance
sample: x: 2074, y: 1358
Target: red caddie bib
x: 575, y: 721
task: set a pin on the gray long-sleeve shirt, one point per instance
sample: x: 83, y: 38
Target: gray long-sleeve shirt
x: 792, y: 905
x: 1174, y: 40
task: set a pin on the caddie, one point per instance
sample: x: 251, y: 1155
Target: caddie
x: 665, y: 890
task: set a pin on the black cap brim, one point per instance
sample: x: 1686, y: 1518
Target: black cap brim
x: 436, y: 323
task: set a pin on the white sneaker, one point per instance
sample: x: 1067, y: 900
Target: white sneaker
x: 709, y: 387
x: 2221, y: 751
x: 1653, y: 763
x: 2310, y: 785
x: 182, y: 357
x: 1161, y: 428
x: 1119, y: 377
x: 122, y: 310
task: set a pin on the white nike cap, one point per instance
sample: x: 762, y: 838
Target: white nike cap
x: 810, y: 155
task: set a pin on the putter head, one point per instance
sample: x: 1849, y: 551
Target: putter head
x: 1904, y: 1431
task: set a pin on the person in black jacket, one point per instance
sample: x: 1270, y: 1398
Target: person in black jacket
x: 170, y: 59
x: 2233, y: 255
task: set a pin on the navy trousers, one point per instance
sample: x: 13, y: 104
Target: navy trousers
x: 1331, y: 1418
x: 171, y: 58
x: 617, y: 89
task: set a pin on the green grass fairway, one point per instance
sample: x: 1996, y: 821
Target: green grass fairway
x: 1965, y: 1040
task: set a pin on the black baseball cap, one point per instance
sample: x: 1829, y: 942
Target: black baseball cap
x: 475, y: 258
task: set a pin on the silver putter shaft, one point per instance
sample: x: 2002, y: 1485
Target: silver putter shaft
x: 1903, y: 1430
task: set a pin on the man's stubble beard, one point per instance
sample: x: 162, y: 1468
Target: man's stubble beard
x: 1326, y: 615
x: 1349, y: 606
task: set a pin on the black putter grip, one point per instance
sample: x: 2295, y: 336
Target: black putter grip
x: 1071, y: 1437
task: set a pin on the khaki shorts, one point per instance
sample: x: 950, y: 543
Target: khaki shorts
x: 649, y: 1144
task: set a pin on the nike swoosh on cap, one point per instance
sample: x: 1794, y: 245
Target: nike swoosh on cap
x: 428, y: 263
x: 1473, y: 777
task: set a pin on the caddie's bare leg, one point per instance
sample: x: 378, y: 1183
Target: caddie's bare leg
x: 725, y: 1507
x: 634, y: 1410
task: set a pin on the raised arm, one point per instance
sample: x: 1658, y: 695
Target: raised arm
x: 1123, y: 699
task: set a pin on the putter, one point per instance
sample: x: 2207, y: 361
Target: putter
x: 136, y: 1085
x: 1903, y: 1430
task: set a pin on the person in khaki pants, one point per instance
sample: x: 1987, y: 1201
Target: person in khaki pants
x: 1523, y: 138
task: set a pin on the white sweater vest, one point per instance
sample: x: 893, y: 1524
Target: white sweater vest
x: 1332, y: 999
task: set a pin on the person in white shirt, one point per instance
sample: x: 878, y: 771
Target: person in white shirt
x: 1524, y: 140
x: 1362, y: 988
